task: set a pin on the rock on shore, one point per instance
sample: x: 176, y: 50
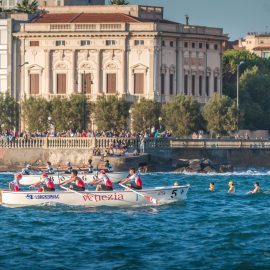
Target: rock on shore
x: 201, y: 166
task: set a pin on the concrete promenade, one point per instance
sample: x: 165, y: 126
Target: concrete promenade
x: 161, y: 152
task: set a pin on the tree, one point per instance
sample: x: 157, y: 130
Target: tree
x: 8, y: 112
x: 119, y: 2
x: 111, y: 113
x: 220, y: 114
x: 27, y: 6
x: 182, y: 116
x: 145, y: 114
x: 35, y: 112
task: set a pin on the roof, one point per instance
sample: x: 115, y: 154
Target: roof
x: 92, y: 18
x: 85, y: 18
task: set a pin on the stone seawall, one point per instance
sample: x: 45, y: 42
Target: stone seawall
x: 15, y: 159
x: 239, y: 158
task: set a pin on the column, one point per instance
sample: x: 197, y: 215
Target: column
x: 98, y: 79
x: 72, y: 88
x: 124, y: 72
x: 47, y: 75
x: 151, y: 87
x: 157, y: 74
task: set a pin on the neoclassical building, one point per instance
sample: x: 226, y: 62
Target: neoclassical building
x: 129, y: 51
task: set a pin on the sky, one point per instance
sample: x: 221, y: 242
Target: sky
x: 236, y: 17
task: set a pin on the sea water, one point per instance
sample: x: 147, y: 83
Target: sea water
x: 211, y: 230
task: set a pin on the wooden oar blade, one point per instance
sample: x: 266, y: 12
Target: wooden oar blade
x: 151, y: 199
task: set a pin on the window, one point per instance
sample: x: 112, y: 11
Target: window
x: 207, y: 86
x: 111, y: 83
x: 265, y: 55
x: 171, y: 84
x: 34, y: 84
x: 3, y: 60
x: 171, y: 43
x: 215, y: 84
x: 193, y: 45
x: 34, y: 43
x: 60, y: 43
x: 216, y: 47
x: 139, y: 42
x: 193, y: 81
x: 138, y: 83
x: 163, y: 43
x: 86, y: 83
x: 186, y: 84
x: 186, y: 44
x: 207, y: 46
x: 200, y: 85
x: 85, y: 42
x: 162, y: 84
x: 58, y: 3
x: 200, y: 45
x: 61, y: 83
x: 110, y: 42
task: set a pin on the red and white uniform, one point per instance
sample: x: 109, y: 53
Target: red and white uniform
x: 106, y: 180
x: 79, y: 182
x: 137, y: 179
x: 48, y: 182
x: 16, y: 185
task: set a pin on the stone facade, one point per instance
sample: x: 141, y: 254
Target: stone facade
x: 4, y: 56
x: 129, y: 51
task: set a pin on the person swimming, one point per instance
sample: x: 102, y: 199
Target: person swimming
x: 231, y: 187
x: 256, y: 188
x: 212, y: 186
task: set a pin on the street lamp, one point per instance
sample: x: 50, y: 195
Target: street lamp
x: 159, y: 120
x: 237, y: 92
x: 130, y: 117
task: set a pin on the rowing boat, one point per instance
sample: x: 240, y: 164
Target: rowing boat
x: 28, y: 180
x: 116, y: 198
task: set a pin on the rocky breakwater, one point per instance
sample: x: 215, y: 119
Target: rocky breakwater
x: 201, y: 166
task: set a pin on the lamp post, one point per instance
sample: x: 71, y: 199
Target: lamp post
x: 159, y: 120
x: 130, y: 117
x: 237, y: 93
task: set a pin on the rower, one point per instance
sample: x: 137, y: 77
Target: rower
x: 256, y: 188
x: 27, y: 170
x: 108, y: 166
x: 133, y: 176
x: 212, y: 186
x: 107, y: 183
x: 15, y: 185
x: 69, y: 169
x: 231, y: 187
x: 50, y: 169
x: 46, y: 183
x: 79, y: 184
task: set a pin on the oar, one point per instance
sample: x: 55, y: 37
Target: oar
x: 76, y: 192
x: 146, y: 197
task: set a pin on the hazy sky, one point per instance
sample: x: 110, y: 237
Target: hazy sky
x: 237, y: 17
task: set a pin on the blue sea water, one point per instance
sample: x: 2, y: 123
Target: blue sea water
x: 211, y: 230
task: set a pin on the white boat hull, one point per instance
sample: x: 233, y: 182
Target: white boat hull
x: 28, y: 180
x: 117, y: 198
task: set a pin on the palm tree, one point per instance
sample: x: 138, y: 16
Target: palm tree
x: 119, y: 2
x: 27, y: 6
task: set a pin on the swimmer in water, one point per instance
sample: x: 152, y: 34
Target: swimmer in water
x: 256, y: 188
x: 212, y: 186
x: 231, y: 187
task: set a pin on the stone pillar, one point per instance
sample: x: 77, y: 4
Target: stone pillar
x: 99, y: 68
x: 124, y: 72
x: 47, y: 88
x: 72, y: 88
x: 151, y: 87
x: 157, y: 74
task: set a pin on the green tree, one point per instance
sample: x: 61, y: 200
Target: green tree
x: 182, y: 115
x: 35, y: 112
x: 255, y: 99
x: 8, y: 112
x: 145, y: 114
x: 27, y: 6
x: 111, y: 113
x: 119, y: 2
x: 220, y: 115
